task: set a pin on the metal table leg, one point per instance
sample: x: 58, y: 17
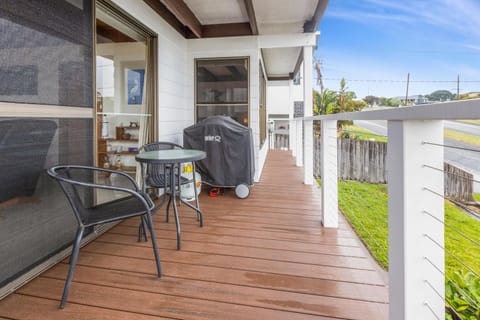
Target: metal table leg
x: 173, y: 194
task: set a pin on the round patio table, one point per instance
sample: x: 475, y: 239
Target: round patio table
x: 172, y: 159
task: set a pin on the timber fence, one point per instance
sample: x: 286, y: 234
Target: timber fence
x: 365, y: 160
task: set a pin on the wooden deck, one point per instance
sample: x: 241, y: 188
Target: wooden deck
x: 266, y: 257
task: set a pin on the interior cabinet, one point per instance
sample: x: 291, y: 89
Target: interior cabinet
x: 118, y: 152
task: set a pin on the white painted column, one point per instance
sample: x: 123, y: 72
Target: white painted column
x: 329, y: 169
x: 307, y: 125
x: 299, y: 142
x: 293, y: 136
x: 292, y: 128
x: 411, y: 249
x: 308, y: 152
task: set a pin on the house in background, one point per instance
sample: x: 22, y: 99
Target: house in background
x: 284, y: 103
x: 414, y: 100
x: 89, y: 82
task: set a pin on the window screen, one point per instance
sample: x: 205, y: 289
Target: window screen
x: 46, y: 52
x: 222, y: 88
x: 35, y: 218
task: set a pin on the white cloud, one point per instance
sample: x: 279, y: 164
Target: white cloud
x: 460, y: 16
x: 450, y: 30
x: 369, y: 17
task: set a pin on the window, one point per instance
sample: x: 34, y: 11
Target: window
x: 46, y: 52
x: 124, y: 76
x: 222, y: 88
x: 46, y: 58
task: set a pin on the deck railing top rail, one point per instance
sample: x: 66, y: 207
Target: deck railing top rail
x: 463, y: 109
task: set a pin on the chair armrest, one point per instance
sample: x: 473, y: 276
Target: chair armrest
x: 142, y: 197
x: 52, y: 173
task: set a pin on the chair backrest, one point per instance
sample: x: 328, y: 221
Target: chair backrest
x: 69, y: 179
x: 24, y: 145
x: 156, y: 169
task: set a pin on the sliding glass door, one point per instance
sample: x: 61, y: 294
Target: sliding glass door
x: 124, y: 90
x: 46, y: 118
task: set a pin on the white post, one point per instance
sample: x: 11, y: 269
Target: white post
x: 293, y: 136
x: 307, y: 125
x: 329, y: 173
x: 292, y: 128
x: 299, y: 142
x: 416, y: 263
x: 308, y: 152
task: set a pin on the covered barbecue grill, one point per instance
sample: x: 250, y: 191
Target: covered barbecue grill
x: 229, y: 148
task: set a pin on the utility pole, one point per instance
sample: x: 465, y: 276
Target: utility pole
x: 458, y: 87
x: 408, y: 83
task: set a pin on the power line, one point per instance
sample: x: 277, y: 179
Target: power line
x: 401, y: 81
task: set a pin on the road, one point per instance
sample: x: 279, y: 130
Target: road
x: 466, y: 160
x: 463, y: 127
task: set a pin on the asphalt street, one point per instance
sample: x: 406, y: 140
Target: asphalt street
x: 464, y: 159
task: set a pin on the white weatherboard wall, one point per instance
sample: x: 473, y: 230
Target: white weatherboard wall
x: 227, y: 48
x: 278, y: 95
x: 175, y: 90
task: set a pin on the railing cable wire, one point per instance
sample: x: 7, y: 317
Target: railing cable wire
x: 442, y: 298
x: 452, y: 173
x: 435, y: 193
x: 453, y: 229
x: 452, y: 255
x: 449, y: 279
x: 449, y: 146
x: 426, y: 304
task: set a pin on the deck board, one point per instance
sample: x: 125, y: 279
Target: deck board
x: 265, y: 257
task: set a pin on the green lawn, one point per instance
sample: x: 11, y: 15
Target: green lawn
x: 462, y: 137
x: 476, y: 197
x: 475, y: 122
x: 457, y: 245
x: 365, y: 206
x: 356, y: 132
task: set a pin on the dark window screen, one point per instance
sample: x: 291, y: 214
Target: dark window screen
x: 35, y: 218
x: 46, y: 52
x: 222, y: 88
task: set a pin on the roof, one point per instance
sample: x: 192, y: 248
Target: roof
x: 226, y: 18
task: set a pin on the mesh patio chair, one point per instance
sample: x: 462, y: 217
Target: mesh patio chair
x: 78, y: 186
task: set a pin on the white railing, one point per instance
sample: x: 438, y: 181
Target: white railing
x: 416, y: 253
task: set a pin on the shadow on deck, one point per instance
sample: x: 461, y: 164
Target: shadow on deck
x: 266, y: 257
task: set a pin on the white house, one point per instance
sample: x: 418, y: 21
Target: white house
x: 91, y: 81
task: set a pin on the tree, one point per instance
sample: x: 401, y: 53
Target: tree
x: 372, y: 100
x: 391, y: 102
x: 356, y: 105
x: 440, y: 95
x: 322, y: 101
x: 344, y: 102
x: 471, y: 95
x: 317, y: 102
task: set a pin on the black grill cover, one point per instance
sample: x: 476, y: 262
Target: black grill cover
x: 229, y: 148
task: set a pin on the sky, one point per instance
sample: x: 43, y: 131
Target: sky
x: 365, y: 41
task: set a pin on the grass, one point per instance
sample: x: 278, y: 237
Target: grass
x: 476, y: 197
x: 356, y: 132
x: 475, y: 122
x: 365, y: 205
x: 462, y: 137
x: 457, y: 245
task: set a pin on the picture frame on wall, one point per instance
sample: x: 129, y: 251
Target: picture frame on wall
x: 135, y: 82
